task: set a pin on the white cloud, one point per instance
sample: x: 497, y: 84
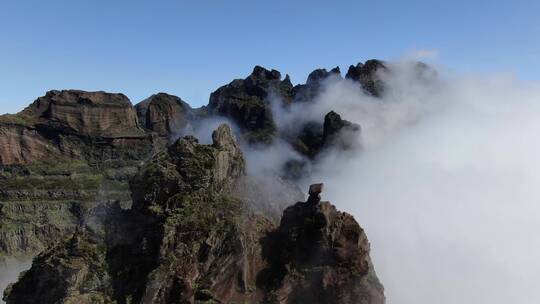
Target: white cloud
x: 446, y: 186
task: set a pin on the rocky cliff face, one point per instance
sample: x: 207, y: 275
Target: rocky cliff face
x: 367, y: 74
x: 21, y: 145
x: 165, y: 114
x: 85, y: 113
x: 247, y: 103
x: 187, y: 239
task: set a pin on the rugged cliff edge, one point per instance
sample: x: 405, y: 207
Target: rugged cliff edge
x: 187, y: 239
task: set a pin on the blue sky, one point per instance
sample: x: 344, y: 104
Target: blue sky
x: 189, y: 48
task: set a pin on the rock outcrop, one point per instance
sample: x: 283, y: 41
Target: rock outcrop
x: 165, y: 114
x: 321, y: 256
x: 247, y: 103
x: 334, y: 132
x: 308, y: 91
x: 42, y: 203
x: 367, y: 75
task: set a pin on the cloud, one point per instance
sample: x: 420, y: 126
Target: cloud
x: 446, y: 185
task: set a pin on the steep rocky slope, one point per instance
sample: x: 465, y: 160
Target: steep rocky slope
x: 248, y: 102
x: 187, y: 239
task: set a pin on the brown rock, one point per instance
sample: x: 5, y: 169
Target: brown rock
x: 86, y: 113
x: 165, y: 114
x: 322, y: 257
x: 70, y: 124
x: 20, y: 145
x: 247, y: 103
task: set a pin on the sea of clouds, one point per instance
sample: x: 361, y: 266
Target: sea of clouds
x: 446, y: 184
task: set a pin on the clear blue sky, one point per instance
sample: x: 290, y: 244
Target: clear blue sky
x: 189, y: 48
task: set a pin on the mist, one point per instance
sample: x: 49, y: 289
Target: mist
x: 446, y: 184
x: 10, y: 270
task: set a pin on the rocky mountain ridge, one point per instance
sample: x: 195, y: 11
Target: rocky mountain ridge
x: 98, y: 185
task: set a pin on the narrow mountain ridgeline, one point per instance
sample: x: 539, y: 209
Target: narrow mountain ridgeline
x: 119, y: 204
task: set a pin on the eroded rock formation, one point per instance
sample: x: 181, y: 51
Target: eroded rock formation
x: 70, y: 124
x: 247, y: 103
x: 165, y: 114
x: 187, y: 239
